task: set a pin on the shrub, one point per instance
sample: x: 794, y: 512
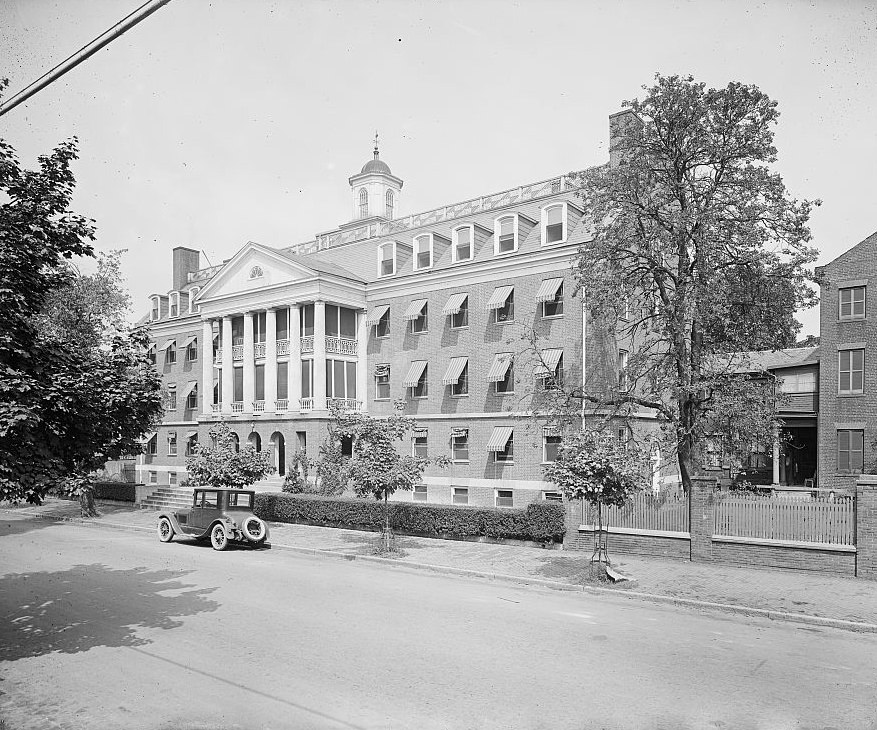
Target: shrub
x: 542, y: 522
x: 119, y: 491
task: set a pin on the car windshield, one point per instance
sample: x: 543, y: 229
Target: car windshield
x: 207, y: 499
x: 240, y: 501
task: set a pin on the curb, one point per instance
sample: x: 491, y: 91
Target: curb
x: 799, y: 618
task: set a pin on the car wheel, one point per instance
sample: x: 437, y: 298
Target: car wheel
x: 254, y: 529
x: 218, y: 538
x: 165, y: 530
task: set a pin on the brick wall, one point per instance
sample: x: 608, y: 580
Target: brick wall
x: 866, y: 527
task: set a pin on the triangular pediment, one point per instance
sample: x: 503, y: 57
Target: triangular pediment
x: 252, y: 268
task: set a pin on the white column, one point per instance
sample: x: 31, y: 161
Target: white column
x: 205, y: 387
x: 776, y: 455
x: 319, y: 355
x: 249, y: 363
x: 270, y: 360
x: 227, y: 366
x: 362, y: 360
x: 293, y: 372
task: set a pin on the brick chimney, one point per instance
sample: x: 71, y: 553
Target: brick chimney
x: 186, y: 261
x: 619, y: 123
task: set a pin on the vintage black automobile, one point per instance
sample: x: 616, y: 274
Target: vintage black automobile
x: 221, y: 515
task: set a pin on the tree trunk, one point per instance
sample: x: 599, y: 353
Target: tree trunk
x: 86, y: 503
x: 386, y: 522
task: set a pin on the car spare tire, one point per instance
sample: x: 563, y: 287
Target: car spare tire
x: 254, y: 529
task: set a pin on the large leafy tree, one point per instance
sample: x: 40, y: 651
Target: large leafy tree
x: 225, y: 464
x: 75, y: 390
x: 698, y: 255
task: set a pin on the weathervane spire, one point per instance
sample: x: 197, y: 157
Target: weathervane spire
x: 376, y: 144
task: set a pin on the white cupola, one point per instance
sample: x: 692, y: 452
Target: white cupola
x: 375, y: 190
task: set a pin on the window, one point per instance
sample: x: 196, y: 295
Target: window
x: 192, y: 350
x: 851, y: 302
x: 391, y: 200
x: 306, y: 320
x: 850, y: 451
x: 170, y: 354
x: 152, y: 446
x: 174, y: 304
x: 460, y: 318
x: 505, y: 313
x: 420, y: 493
x: 460, y: 495
x: 340, y: 322
x: 382, y: 328
x: 550, y: 447
x: 416, y: 379
x: 461, y: 386
x: 552, y: 497
x: 506, y: 455
x: 851, y: 371
x: 172, y: 398
x: 150, y: 354
x: 419, y: 444
x: 421, y: 389
x: 387, y: 259
x: 382, y: 382
x: 463, y: 237
x: 623, y: 383
x: 554, y: 307
x: 193, y: 295
x: 363, y: 203
x: 507, y: 384
x: 804, y: 382
x: 172, y: 478
x: 420, y: 323
x: 191, y: 443
x: 506, y: 235
x: 549, y: 370
x: 192, y: 398
x: 460, y: 444
x: 307, y: 378
x: 171, y: 443
x: 505, y: 498
x: 422, y: 252
x: 501, y: 444
x: 340, y: 379
x: 241, y: 501
x: 153, y: 477
x: 554, y: 224
x: 155, y: 311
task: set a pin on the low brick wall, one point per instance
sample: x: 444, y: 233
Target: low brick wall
x: 659, y: 546
x: 736, y: 551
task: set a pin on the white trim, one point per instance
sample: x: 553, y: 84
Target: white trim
x: 193, y: 295
x: 471, y: 228
x: 155, y: 308
x: 496, y: 234
x: 381, y: 246
x: 173, y: 300
x: 564, y: 220
x: 414, y: 265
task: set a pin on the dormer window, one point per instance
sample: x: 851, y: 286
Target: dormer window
x: 155, y: 312
x: 193, y: 294
x: 554, y: 224
x: 256, y: 272
x: 363, y: 203
x: 391, y: 200
x: 387, y: 259
x: 463, y: 238
x: 422, y: 252
x: 174, y: 304
x: 505, y: 235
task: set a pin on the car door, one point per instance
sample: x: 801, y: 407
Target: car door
x: 206, y: 509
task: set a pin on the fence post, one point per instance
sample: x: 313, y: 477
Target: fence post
x: 573, y: 520
x: 866, y: 526
x: 701, y: 519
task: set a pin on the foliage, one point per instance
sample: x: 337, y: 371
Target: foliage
x: 119, y: 491
x: 597, y: 468
x: 540, y: 521
x: 698, y: 255
x: 224, y: 464
x: 297, y: 470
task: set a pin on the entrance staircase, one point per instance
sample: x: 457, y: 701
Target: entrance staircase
x: 168, y: 498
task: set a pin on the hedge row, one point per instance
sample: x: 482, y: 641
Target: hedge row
x: 539, y: 521
x: 120, y: 491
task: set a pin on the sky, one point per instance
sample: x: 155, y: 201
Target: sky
x: 210, y: 124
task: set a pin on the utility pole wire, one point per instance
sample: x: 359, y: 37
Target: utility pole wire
x: 128, y: 22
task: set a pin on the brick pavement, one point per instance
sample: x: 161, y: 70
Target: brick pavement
x: 813, y: 594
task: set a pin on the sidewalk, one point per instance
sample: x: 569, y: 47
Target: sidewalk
x: 814, y: 598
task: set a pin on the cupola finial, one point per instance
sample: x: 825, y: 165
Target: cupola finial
x: 376, y: 144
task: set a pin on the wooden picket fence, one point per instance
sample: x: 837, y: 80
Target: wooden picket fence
x: 664, y: 512
x: 826, y: 518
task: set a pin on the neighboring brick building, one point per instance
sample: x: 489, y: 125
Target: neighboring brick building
x: 848, y: 367
x: 435, y: 308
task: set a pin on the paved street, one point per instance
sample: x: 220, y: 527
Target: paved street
x: 111, y: 629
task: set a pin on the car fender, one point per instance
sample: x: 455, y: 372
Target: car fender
x: 228, y: 525
x: 173, y: 520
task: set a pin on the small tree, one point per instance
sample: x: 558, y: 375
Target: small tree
x: 594, y: 467
x: 376, y: 466
x: 225, y: 465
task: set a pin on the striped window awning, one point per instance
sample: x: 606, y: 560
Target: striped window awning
x: 454, y: 304
x: 550, y: 358
x: 190, y: 386
x: 146, y: 438
x: 458, y: 432
x: 499, y: 438
x: 548, y: 290
x: 415, y: 371
x: 420, y: 431
x: 499, y: 367
x: 189, y: 341
x: 166, y: 345
x: 414, y: 309
x: 499, y: 297
x: 375, y: 315
x: 455, y: 370
x: 382, y: 370
x: 550, y: 431
x: 191, y: 435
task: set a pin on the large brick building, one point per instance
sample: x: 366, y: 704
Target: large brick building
x: 437, y: 308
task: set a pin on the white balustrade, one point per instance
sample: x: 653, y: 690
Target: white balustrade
x: 259, y: 349
x: 218, y: 357
x: 237, y: 352
x: 306, y: 404
x: 237, y: 407
x: 340, y: 345
x: 282, y: 404
x: 217, y: 407
x: 258, y: 406
x: 282, y: 347
x: 348, y: 404
x: 307, y: 344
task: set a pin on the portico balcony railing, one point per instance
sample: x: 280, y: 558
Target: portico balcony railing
x: 217, y: 358
x: 259, y: 349
x: 258, y: 406
x: 282, y: 347
x: 348, y: 404
x: 237, y: 407
x: 281, y: 405
x: 340, y: 345
x: 334, y: 345
x: 217, y: 407
x: 307, y: 344
x: 237, y: 352
x: 306, y: 404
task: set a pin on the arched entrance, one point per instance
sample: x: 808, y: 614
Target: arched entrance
x: 278, y: 444
x: 237, y: 441
x: 255, y: 440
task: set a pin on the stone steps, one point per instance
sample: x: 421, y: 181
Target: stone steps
x: 168, y: 498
